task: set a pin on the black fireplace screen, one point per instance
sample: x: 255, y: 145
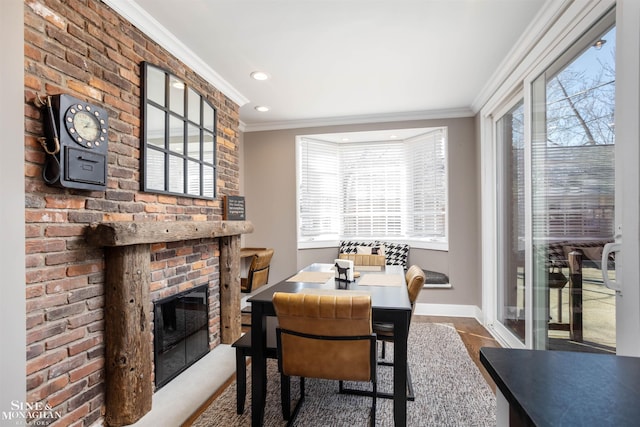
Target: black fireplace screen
x: 181, y: 332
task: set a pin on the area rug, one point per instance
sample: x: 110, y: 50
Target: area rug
x: 449, y: 389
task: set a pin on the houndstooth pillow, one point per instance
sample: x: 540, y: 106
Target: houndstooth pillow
x: 351, y: 247
x: 396, y: 253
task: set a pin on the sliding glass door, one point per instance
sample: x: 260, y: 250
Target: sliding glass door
x: 556, y: 188
x: 573, y: 196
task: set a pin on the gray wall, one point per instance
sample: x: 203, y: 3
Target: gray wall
x: 269, y: 178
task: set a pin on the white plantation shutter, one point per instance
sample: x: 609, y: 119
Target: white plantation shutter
x: 371, y: 189
x: 427, y: 192
x: 318, y: 197
x: 393, y: 190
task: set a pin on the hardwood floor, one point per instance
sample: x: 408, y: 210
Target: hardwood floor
x: 473, y: 335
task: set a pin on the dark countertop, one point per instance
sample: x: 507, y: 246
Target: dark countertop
x: 559, y: 388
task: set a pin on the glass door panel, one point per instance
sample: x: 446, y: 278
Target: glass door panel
x: 573, y: 193
x: 511, y: 242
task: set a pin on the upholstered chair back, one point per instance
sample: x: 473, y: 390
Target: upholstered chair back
x: 415, y: 281
x: 258, y: 274
x: 325, y: 316
x: 365, y: 260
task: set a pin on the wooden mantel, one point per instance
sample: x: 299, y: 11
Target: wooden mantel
x: 114, y: 234
x: 128, y: 339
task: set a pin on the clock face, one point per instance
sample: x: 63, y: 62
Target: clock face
x: 86, y: 125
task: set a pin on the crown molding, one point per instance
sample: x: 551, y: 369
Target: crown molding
x: 133, y: 13
x: 451, y: 113
x: 545, y: 19
x: 546, y: 36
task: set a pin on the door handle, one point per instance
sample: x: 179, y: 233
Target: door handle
x: 606, y: 251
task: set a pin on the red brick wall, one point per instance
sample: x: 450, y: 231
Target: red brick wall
x: 83, y: 48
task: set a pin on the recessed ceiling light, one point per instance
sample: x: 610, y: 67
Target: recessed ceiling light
x: 259, y: 75
x: 393, y: 136
x: 345, y: 139
x: 262, y: 108
x: 599, y: 43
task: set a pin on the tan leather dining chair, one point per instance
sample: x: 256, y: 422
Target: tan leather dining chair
x: 324, y: 336
x: 258, y: 274
x: 365, y: 260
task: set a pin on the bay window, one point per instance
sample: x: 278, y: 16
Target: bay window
x: 392, y: 190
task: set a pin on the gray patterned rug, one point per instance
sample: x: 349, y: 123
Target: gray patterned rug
x: 449, y: 388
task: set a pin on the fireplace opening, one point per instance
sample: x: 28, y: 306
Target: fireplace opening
x: 181, y: 337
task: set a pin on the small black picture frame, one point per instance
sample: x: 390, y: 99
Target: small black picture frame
x: 234, y: 208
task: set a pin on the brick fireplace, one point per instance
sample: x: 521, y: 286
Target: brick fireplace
x: 128, y: 323
x: 87, y: 50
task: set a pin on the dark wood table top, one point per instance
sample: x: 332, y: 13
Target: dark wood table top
x: 561, y: 388
x: 382, y: 297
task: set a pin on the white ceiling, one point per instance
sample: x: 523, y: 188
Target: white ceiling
x: 342, y: 61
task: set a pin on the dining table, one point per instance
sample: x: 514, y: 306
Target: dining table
x: 389, y: 304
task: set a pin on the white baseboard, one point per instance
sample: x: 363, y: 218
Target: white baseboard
x: 453, y: 310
